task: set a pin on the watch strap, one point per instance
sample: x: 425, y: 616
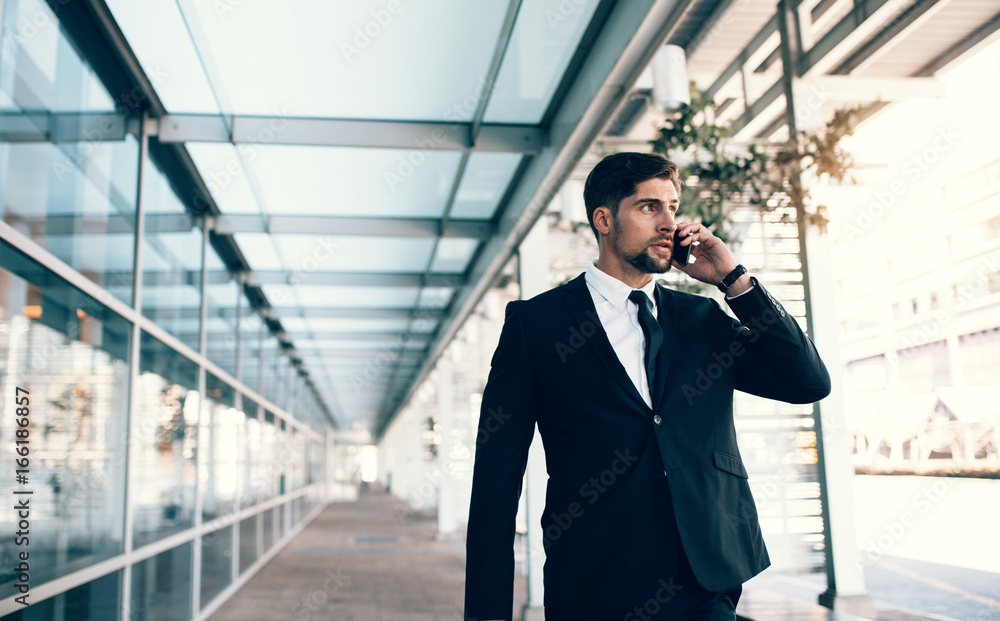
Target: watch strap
x: 731, y: 278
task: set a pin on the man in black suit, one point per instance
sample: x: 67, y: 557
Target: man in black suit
x: 648, y: 513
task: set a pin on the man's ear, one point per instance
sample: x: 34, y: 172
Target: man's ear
x: 603, y: 220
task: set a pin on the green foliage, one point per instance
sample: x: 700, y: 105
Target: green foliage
x: 717, y: 179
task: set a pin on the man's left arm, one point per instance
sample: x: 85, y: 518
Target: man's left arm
x: 772, y: 356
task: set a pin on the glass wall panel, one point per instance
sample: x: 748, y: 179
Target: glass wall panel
x: 251, y: 461
x: 267, y: 483
x: 171, y: 260
x: 75, y: 197
x: 298, y: 459
x: 216, y: 563
x: 161, y: 586
x: 65, y: 359
x: 248, y: 543
x: 250, y: 333
x: 97, y: 599
x: 221, y: 425
x: 315, y: 462
x: 222, y: 299
x: 164, y: 440
x: 272, y: 355
x: 269, y: 526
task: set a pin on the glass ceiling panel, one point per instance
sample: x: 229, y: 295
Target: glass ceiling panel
x: 353, y: 253
x: 389, y: 346
x: 170, y: 251
x: 315, y: 57
x: 545, y: 37
x: 157, y: 35
x: 346, y: 181
x: 220, y: 167
x: 341, y: 297
x: 259, y: 251
x: 487, y: 176
x: 453, y: 255
x: 389, y: 326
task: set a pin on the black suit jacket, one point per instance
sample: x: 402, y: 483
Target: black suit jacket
x: 606, y: 450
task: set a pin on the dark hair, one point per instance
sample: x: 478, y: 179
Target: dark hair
x: 616, y: 176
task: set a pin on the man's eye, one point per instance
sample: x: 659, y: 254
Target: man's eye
x: 647, y: 207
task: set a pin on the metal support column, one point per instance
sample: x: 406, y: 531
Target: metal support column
x: 845, y: 581
x: 133, y: 365
x: 204, y: 416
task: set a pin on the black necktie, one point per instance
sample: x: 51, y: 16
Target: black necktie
x: 653, y: 333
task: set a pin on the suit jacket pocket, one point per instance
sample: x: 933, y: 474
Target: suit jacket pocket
x: 730, y: 463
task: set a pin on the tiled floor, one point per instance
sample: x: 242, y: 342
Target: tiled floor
x: 370, y: 560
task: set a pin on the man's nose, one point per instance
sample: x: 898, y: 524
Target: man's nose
x: 666, y: 222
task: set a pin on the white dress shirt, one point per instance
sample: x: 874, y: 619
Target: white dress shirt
x: 620, y: 318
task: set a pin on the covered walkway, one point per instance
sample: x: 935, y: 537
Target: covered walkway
x: 370, y: 560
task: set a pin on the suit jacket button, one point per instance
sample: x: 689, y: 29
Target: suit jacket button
x: 657, y: 419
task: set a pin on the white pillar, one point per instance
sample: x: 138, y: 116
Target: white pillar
x: 845, y: 579
x: 447, y: 502
x: 533, y: 268
x: 848, y: 584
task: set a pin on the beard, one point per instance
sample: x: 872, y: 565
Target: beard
x: 642, y: 259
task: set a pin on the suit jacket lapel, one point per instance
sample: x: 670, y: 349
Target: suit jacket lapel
x: 667, y: 318
x: 581, y: 306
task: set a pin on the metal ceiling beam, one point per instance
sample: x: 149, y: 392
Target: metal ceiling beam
x: 769, y: 30
x: 164, y: 314
x: 620, y: 49
x: 379, y: 337
x: 354, y: 279
x: 759, y: 113
x: 357, y: 313
x: 906, y: 22
x: 383, y: 339
x: 57, y: 127
x: 281, y: 277
x: 979, y: 36
x: 864, y: 19
x: 279, y: 130
x: 110, y: 224
x: 328, y: 355
x: 707, y: 26
x: 355, y: 226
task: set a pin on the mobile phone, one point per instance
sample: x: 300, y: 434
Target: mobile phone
x: 680, y: 253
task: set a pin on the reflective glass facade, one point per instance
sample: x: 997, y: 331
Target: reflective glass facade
x: 150, y: 431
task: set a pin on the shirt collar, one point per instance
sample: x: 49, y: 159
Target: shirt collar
x: 613, y: 290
